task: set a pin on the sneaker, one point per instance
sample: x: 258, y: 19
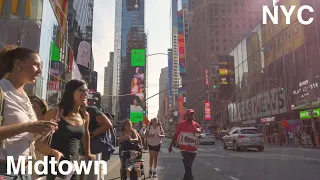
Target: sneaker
x: 150, y: 173
x: 155, y: 174
x: 128, y: 178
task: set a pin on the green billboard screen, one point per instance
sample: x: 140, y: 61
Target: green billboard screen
x: 136, y: 117
x: 138, y: 57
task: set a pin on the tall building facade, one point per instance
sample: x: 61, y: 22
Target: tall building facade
x: 175, y: 77
x: 42, y: 27
x: 277, y: 76
x: 163, y: 97
x: 80, y: 24
x: 129, y: 61
x: 107, y: 90
x: 216, y: 27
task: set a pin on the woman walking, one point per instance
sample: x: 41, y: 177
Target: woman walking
x: 73, y: 126
x: 154, y: 135
x: 18, y: 121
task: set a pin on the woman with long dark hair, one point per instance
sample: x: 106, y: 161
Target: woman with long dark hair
x: 154, y: 137
x: 73, y: 124
x: 18, y: 121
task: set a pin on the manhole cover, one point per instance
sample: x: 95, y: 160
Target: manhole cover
x: 159, y: 168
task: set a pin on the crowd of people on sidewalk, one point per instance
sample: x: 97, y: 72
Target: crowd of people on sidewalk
x: 72, y: 130
x: 28, y: 128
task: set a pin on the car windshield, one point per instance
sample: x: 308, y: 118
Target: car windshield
x: 249, y: 131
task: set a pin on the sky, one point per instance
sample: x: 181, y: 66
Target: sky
x: 157, y: 27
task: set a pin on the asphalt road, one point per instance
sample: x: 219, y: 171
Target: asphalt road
x: 213, y: 162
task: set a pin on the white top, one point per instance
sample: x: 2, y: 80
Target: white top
x: 156, y: 140
x: 136, y: 108
x: 17, y: 109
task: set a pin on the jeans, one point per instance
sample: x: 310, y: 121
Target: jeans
x: 187, y: 160
x: 12, y: 176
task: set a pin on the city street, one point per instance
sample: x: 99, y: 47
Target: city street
x: 213, y: 162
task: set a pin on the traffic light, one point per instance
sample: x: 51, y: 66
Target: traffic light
x: 215, y: 85
x: 282, y: 86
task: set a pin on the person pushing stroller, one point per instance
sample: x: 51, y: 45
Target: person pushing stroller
x: 130, y: 153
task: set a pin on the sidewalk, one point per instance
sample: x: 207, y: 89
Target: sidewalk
x: 292, y: 146
x: 114, y: 167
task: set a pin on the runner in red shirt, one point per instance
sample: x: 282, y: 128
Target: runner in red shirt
x: 189, y: 132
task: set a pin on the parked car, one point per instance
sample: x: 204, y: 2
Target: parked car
x: 207, y: 138
x: 243, y: 137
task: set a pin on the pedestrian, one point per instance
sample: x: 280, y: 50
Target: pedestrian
x: 154, y: 135
x: 311, y: 133
x: 142, y: 133
x: 18, y: 121
x: 99, y: 127
x: 40, y: 106
x: 73, y: 126
x: 189, y: 132
x: 128, y: 134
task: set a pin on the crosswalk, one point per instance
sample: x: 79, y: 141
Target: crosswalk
x: 164, y: 150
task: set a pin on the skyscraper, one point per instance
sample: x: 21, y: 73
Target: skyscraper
x: 80, y: 21
x: 163, y: 97
x: 129, y: 61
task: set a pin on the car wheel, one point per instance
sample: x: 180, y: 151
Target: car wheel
x: 235, y: 146
x: 224, y: 145
x: 260, y: 149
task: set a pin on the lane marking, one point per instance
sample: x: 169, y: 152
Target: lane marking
x: 217, y: 169
x: 233, y: 178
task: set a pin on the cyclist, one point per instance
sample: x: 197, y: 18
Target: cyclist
x: 189, y: 132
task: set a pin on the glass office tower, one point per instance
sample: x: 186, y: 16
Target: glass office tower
x: 129, y: 61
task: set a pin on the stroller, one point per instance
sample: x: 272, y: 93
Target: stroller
x: 125, y: 151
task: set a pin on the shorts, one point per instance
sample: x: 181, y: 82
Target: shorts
x: 154, y: 148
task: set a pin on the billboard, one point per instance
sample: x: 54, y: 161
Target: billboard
x: 207, y: 78
x: 226, y: 77
x: 138, y: 57
x: 182, y: 96
x: 207, y: 110
x: 181, y: 41
x: 280, y: 39
x: 54, y: 83
x: 137, y: 95
x: 84, y: 54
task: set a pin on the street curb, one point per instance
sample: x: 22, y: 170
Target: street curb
x: 285, y: 146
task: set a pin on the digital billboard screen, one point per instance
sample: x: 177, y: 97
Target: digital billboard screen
x: 137, y: 95
x: 207, y: 111
x: 182, y: 96
x: 138, y: 57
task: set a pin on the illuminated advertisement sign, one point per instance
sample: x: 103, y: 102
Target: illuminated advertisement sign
x: 54, y: 83
x: 226, y: 70
x: 182, y: 61
x: 182, y: 96
x: 207, y: 111
x: 207, y: 79
x: 137, y: 91
x: 138, y: 57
